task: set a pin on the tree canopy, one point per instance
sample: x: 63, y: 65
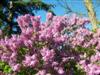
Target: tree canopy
x: 11, y: 9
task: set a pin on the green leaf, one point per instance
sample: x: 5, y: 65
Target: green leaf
x: 21, y: 53
x: 5, y: 67
x: 26, y: 1
x: 27, y: 71
x: 23, y: 50
x: 1, y: 64
x: 88, y: 51
x: 72, y: 65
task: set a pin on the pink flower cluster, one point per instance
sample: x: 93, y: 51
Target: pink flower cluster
x: 92, y: 66
x: 48, y: 47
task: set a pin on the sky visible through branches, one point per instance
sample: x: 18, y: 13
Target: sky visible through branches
x: 75, y: 5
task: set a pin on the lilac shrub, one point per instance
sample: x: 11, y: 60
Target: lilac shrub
x: 60, y: 46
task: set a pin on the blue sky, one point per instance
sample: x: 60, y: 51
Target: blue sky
x: 75, y: 5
